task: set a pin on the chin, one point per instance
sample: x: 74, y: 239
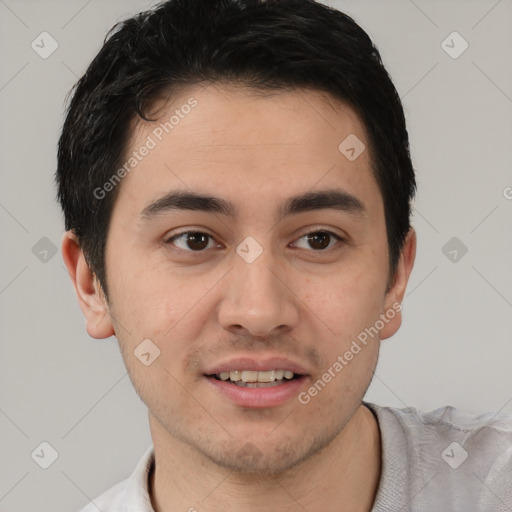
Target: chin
x: 271, y: 459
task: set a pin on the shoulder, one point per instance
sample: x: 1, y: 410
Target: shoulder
x: 132, y: 494
x: 486, y: 436
x: 445, y: 456
x: 446, y: 418
x: 112, y: 499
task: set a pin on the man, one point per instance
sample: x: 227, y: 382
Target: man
x: 236, y: 182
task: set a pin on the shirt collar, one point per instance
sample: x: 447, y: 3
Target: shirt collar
x: 137, y: 488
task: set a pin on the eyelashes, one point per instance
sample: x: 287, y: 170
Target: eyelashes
x: 195, y: 241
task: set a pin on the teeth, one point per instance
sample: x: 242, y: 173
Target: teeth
x: 267, y: 376
x: 248, y: 376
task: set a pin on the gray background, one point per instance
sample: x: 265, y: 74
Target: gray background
x: 58, y: 385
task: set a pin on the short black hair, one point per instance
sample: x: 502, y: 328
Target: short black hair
x: 259, y: 44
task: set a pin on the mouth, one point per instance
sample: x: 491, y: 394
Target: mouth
x: 256, y: 379
x: 249, y: 382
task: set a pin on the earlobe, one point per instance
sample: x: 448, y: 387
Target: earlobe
x: 396, y: 293
x: 91, y: 299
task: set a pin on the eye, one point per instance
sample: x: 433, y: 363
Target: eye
x: 198, y: 241
x: 195, y: 241
x: 319, y: 240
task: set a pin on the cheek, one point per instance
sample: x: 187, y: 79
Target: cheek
x: 160, y: 304
x: 341, y: 386
x: 347, y: 301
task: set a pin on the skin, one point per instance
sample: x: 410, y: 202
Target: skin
x: 294, y: 300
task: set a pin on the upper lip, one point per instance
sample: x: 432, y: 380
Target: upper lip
x: 257, y: 365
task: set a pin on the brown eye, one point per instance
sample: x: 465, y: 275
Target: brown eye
x: 191, y: 240
x: 319, y: 240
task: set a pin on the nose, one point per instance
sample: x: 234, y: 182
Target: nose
x: 258, y: 299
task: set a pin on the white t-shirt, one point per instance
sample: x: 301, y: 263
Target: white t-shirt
x: 444, y: 460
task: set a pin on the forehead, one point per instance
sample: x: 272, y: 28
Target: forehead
x: 227, y: 139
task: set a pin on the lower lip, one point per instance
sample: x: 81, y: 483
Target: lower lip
x: 259, y: 398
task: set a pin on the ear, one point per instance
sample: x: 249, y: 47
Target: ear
x: 396, y: 292
x: 89, y: 292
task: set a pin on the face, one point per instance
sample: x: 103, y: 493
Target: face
x: 246, y: 246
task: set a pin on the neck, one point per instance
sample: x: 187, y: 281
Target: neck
x: 346, y: 472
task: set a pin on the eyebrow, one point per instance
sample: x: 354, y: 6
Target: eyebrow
x: 325, y: 199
